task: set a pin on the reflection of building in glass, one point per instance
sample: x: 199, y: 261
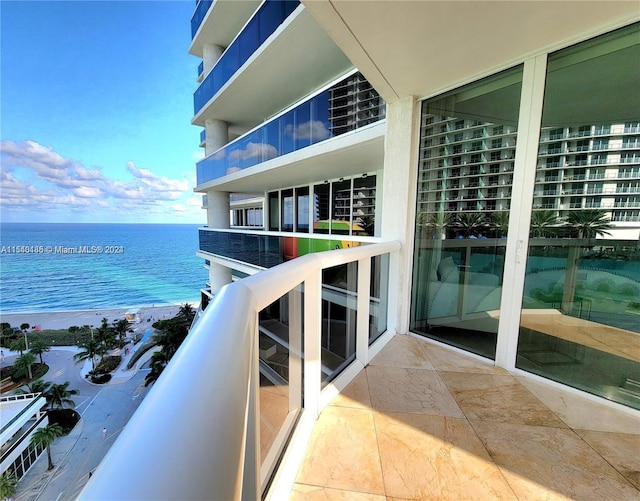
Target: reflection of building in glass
x: 467, y: 165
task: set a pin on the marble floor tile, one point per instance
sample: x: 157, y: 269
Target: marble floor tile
x: 582, y: 412
x: 356, y: 394
x: 498, y: 398
x: 444, y: 359
x: 343, y: 452
x: 436, y: 457
x: 403, y: 351
x: 302, y: 492
x: 621, y: 450
x: 274, y: 407
x: 410, y: 390
x: 550, y: 463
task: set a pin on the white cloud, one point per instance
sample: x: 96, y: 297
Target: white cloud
x: 37, y: 178
x: 254, y: 150
x: 313, y: 129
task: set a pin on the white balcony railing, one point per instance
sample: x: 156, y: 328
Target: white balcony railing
x: 196, y: 435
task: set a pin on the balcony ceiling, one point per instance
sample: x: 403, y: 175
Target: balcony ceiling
x: 224, y: 20
x: 419, y: 48
x: 297, y: 60
x: 351, y: 154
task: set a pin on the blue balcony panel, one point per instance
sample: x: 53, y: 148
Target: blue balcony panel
x: 198, y: 16
x: 266, y: 20
x: 329, y: 114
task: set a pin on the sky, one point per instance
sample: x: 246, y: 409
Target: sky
x: 96, y: 101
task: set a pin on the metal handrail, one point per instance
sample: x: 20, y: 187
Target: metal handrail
x: 195, y: 435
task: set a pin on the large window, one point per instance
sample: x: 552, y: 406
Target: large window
x: 572, y: 273
x: 581, y: 301
x: 459, y: 245
x: 340, y: 207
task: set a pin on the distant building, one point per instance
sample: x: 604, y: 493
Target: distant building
x: 21, y: 415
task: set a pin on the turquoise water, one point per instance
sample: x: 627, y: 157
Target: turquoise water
x: 117, y: 266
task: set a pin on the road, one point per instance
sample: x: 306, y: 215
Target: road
x: 107, y: 406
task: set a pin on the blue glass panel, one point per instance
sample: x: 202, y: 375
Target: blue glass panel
x: 320, y: 117
x: 269, y: 20
x: 303, y: 126
x: 248, y: 41
x: 198, y: 16
x: 287, y: 124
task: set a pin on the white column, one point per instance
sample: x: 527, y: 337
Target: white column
x: 398, y: 204
x: 217, y: 132
x: 210, y: 55
x: 218, y: 217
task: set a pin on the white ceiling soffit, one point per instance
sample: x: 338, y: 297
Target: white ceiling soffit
x: 420, y: 47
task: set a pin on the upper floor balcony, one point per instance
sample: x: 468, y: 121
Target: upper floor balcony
x: 306, y: 124
x: 270, y: 57
x: 265, y: 21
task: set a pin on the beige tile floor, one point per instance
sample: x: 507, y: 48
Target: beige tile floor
x: 423, y: 422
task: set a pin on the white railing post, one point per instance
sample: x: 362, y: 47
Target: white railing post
x: 251, y: 482
x: 364, y: 300
x: 312, y: 342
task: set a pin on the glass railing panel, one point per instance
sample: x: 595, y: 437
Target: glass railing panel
x: 271, y: 15
x: 280, y: 341
x: 580, y: 310
x: 339, y: 318
x: 379, y: 296
x: 302, y: 126
x: 264, y: 250
x: 198, y: 16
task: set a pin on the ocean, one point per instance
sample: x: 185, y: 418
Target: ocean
x: 59, y: 267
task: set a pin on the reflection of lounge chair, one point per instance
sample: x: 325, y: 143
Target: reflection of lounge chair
x: 479, y: 291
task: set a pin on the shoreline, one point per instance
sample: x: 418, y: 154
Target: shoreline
x: 63, y: 319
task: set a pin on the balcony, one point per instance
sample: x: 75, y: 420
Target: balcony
x: 303, y: 126
x: 266, y: 20
x: 404, y: 418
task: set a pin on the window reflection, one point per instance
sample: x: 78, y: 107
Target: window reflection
x: 579, y: 322
x: 467, y: 151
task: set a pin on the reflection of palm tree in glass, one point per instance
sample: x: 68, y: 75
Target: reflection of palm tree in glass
x: 470, y: 223
x: 589, y: 223
x: 500, y: 222
x: 434, y: 224
x: 544, y: 223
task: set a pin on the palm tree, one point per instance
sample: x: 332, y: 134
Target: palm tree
x: 470, y: 223
x: 39, y: 347
x: 121, y: 327
x: 542, y: 222
x: 37, y: 386
x: 434, y: 223
x: 158, y: 363
x: 8, y: 484
x: 59, y: 396
x: 92, y: 347
x: 500, y: 222
x: 24, y: 327
x: 18, y: 344
x: 23, y: 364
x: 44, y: 437
x: 187, y: 313
x: 589, y: 223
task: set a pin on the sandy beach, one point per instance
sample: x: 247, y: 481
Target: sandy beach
x: 65, y: 319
